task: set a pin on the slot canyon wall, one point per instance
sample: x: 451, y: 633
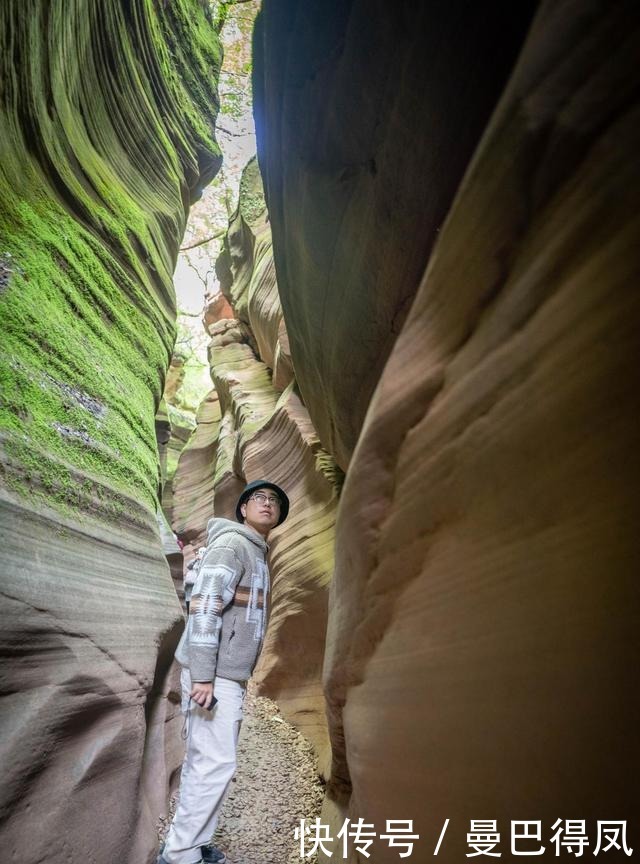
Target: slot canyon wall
x: 452, y: 243
x: 253, y: 425
x: 366, y: 117
x: 107, y: 115
x: 482, y: 635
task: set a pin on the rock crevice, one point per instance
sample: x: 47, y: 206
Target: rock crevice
x: 263, y: 430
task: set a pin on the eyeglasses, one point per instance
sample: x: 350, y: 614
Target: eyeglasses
x: 261, y: 498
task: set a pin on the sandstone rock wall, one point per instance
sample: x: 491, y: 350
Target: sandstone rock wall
x: 367, y: 114
x: 482, y: 637
x: 107, y: 116
x: 257, y: 427
x: 192, y: 486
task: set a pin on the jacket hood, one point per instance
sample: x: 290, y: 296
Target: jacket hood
x: 217, y: 527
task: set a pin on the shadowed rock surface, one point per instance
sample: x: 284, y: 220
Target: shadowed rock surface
x: 107, y: 117
x: 367, y: 114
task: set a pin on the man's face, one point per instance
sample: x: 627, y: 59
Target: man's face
x: 262, y: 510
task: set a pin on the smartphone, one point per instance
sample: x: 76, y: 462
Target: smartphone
x: 213, y: 704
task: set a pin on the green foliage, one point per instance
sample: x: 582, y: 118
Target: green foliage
x: 196, y: 385
x: 191, y: 347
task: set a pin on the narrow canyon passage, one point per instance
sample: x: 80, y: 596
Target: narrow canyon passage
x: 413, y: 307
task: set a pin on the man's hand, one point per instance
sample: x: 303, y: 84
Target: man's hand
x: 202, y: 693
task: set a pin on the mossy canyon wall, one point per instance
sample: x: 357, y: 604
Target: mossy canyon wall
x: 107, y: 114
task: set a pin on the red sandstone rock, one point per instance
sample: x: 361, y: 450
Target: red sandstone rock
x: 366, y: 117
x: 216, y: 308
x: 192, y: 499
x: 483, y: 638
x: 246, y: 273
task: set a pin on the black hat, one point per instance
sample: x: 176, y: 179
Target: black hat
x: 250, y: 488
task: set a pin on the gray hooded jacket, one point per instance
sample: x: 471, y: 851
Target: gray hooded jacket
x: 228, y: 609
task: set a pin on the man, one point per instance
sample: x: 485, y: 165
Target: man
x: 218, y: 651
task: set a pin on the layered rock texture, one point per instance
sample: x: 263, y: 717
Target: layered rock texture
x: 482, y: 637
x: 107, y: 115
x: 253, y: 426
x: 366, y: 115
x: 453, y: 225
x: 191, y: 493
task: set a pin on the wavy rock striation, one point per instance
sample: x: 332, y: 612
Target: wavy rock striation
x: 482, y: 636
x: 258, y: 427
x: 107, y: 114
x: 192, y: 495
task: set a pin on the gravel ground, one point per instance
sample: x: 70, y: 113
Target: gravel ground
x: 275, y: 786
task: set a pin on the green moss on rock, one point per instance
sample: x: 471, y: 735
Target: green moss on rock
x: 251, y: 201
x: 107, y: 114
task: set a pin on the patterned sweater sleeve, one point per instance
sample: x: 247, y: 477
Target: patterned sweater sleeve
x: 215, y: 585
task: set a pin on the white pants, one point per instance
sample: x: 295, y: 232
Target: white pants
x: 209, y: 764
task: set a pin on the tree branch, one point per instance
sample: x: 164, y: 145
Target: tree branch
x: 223, y: 11
x: 206, y: 240
x: 233, y: 134
x: 235, y: 74
x: 240, y: 93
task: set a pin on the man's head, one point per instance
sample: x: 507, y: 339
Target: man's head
x: 262, y: 505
